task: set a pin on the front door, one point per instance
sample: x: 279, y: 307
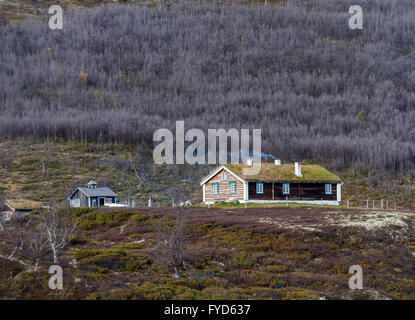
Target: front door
x: 101, y: 202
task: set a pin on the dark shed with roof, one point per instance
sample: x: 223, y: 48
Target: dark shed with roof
x: 92, y: 196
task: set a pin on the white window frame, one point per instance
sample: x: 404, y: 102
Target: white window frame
x: 232, y: 187
x: 215, y: 188
x: 260, y: 188
x: 286, y: 188
x: 224, y: 176
x: 328, y: 188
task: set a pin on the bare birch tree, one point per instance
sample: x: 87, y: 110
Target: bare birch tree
x: 58, y: 229
x: 173, y: 242
x: 13, y: 233
x: 140, y: 167
x: 25, y: 239
x: 6, y: 158
x: 3, y: 208
x: 43, y: 161
x: 35, y: 242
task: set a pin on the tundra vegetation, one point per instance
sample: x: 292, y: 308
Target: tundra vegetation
x: 263, y: 254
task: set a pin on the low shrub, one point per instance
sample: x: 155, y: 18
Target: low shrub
x: 94, y: 219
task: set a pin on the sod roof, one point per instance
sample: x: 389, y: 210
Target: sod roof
x: 285, y: 172
x: 23, y: 204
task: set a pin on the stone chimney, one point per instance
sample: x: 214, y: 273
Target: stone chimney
x: 297, y: 169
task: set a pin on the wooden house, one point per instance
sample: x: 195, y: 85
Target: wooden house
x: 19, y: 208
x: 6, y: 212
x: 274, y: 183
x: 92, y: 196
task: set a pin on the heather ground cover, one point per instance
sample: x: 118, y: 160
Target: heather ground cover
x: 254, y: 253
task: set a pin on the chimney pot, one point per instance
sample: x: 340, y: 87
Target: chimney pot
x: 297, y: 169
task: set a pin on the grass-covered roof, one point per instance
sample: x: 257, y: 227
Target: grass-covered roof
x: 285, y: 172
x: 23, y: 204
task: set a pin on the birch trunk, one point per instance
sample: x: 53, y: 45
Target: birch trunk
x: 176, y: 273
x: 55, y: 255
x: 37, y: 265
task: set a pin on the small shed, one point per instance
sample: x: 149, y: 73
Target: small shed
x: 20, y: 208
x: 92, y: 196
x: 6, y: 212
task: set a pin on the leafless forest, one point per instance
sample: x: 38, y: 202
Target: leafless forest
x: 291, y: 68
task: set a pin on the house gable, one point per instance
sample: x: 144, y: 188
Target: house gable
x: 217, y: 170
x: 223, y: 185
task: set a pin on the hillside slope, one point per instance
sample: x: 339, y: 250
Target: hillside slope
x: 233, y: 254
x: 17, y: 10
x: 71, y: 164
x: 293, y: 69
x: 47, y: 171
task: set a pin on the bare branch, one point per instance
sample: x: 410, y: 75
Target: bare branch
x: 172, y: 244
x: 57, y: 228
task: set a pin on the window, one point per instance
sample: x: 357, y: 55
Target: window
x: 286, y: 188
x: 215, y: 188
x: 232, y: 187
x: 224, y: 176
x: 260, y: 188
x: 328, y: 188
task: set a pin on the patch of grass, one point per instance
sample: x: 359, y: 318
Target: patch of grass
x: 101, y: 253
x: 94, y: 219
x: 130, y: 246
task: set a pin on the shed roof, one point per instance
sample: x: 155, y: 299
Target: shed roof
x: 23, y: 204
x: 284, y: 173
x: 98, y: 192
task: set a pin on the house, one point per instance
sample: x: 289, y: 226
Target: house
x: 7, y: 212
x: 274, y: 183
x: 92, y: 196
x: 19, y: 208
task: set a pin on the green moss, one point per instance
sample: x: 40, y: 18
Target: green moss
x: 285, y: 172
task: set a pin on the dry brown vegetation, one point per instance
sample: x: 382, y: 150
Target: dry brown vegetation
x: 17, y: 10
x: 233, y: 253
x: 70, y: 164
